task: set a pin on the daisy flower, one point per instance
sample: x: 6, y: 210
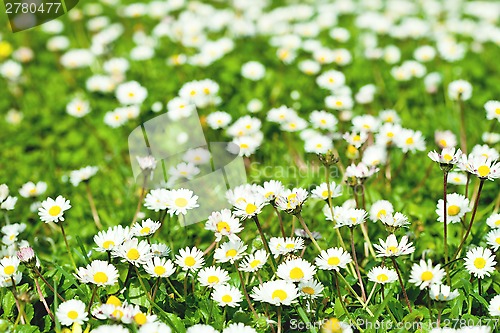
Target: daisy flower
x: 31, y: 189
x: 53, y: 210
x: 107, y: 240
x: 493, y: 239
x: 493, y: 221
x: 160, y: 250
x: 457, y: 178
x: 291, y: 201
x: 253, y: 70
x: 133, y: 251
x: 159, y: 267
x: 218, y: 119
x: 355, y: 139
x: 224, y: 223
x: 276, y: 292
x: 457, y: 206
x: 180, y: 201
x: 190, y: 259
x: 72, y: 311
x: 157, y: 199
x: 323, y: 120
x: 391, y: 247
x: 349, y: 217
x: 230, y: 251
x: 271, y: 189
x: 110, y: 329
x: 333, y: 259
x: 492, y: 110
x: 9, y: 266
x: 213, y: 276
x: 441, y: 292
x: 82, y: 175
x: 249, y: 207
x: 321, y: 191
x: 333, y: 325
x: 98, y: 272
x: 131, y: 93
x: 410, y: 141
x: 226, y: 295
x: 145, y: 228
x: 255, y: 261
x: 318, y: 144
x: 311, y: 289
x: 280, y: 245
x: 480, y: 262
x: 382, y: 275
x: 239, y: 328
x: 481, y: 166
x: 424, y: 274
x: 448, y: 156
x: 459, y: 90
x: 397, y: 220
x: 494, y: 307
x: 155, y: 327
x: 296, y: 270
x: 380, y: 208
x: 200, y: 328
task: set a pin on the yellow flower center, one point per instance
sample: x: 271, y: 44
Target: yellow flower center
x: 381, y: 212
x: 133, y: 254
x: 427, y: 276
x: 339, y: 103
x: 290, y: 246
x: 145, y: 230
x: 117, y: 313
x: 189, y: 261
x: 9, y: 270
x: 140, y: 318
x: 250, y: 209
x: 333, y: 261
x: 483, y: 170
x: 223, y: 226
x: 497, y: 110
x: 308, y: 290
x: 324, y: 193
x: 213, y: 279
x: 479, y: 263
x: 255, y: 263
x: 296, y: 274
x: 72, y: 315
x: 244, y: 146
x: 382, y: 277
x: 55, y: 210
x: 33, y: 191
x: 107, y: 244
x: 100, y: 277
x: 453, y: 210
x: 181, y: 202
x: 231, y: 253
x: 159, y: 270
x: 447, y: 157
x: 410, y: 141
x: 497, y: 240
x: 392, y: 249
x: 356, y: 138
x: 279, y: 293
x: 114, y: 301
x: 332, y: 326
x: 390, y: 134
x: 227, y: 298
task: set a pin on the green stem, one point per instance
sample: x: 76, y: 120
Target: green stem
x: 67, y: 245
x: 445, y: 226
x: 401, y: 283
x: 308, y: 232
x: 264, y: 241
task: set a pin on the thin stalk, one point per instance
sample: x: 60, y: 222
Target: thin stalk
x: 370, y: 295
x: 280, y: 219
x: 337, y: 284
x: 20, y: 311
x: 463, y: 134
x: 243, y: 286
x: 401, y: 283
x: 67, y: 245
x: 264, y: 241
x: 429, y: 303
x: 445, y: 226
x: 353, y: 292
x: 279, y: 319
x: 93, y: 208
x: 308, y: 232
x: 94, y: 292
x: 355, y: 259
x: 37, y: 272
x: 141, y: 198
x: 42, y: 298
x: 173, y: 288
x: 474, y: 211
x: 210, y: 248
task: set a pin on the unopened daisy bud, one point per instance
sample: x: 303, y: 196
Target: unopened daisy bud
x: 146, y: 163
x: 352, y: 152
x: 328, y: 159
x: 27, y: 256
x: 4, y: 192
x: 257, y: 243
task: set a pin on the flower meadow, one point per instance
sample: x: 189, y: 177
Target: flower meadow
x: 368, y: 132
